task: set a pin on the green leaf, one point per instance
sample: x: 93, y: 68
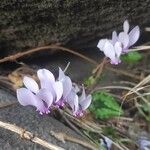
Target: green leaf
x: 146, y: 107
x: 89, y: 81
x: 131, y: 57
x: 104, y: 106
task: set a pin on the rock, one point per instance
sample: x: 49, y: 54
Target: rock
x: 29, y: 23
x: 29, y: 119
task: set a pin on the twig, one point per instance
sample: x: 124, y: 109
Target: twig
x: 99, y: 68
x: 122, y: 88
x: 87, y: 127
x: 99, y: 65
x: 29, y: 136
x: 96, y: 74
x: 49, y: 47
x: 62, y: 137
x: 71, y: 124
x: 143, y: 82
x: 124, y: 73
x: 68, y: 64
x: 140, y: 48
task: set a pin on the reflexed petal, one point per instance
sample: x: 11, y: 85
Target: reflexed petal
x: 46, y: 78
x: 61, y: 74
x: 44, y: 73
x: 67, y: 86
x: 30, y: 84
x: 66, y: 81
x: 118, y: 49
x: 109, y: 51
x: 126, y: 26
x: 76, y: 104
x: 46, y: 96
x: 101, y: 44
x: 134, y: 35
x: 72, y: 100
x: 114, y: 37
x: 124, y: 39
x: 86, y: 102
x: 58, y: 88
x: 26, y: 97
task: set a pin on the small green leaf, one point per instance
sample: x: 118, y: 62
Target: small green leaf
x: 89, y: 81
x: 146, y: 107
x: 131, y: 57
x: 104, y: 106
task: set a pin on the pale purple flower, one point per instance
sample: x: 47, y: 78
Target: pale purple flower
x: 78, y: 104
x: 67, y: 87
x: 43, y: 97
x: 128, y: 38
x: 70, y: 90
x: 47, y: 81
x: 111, y: 51
x: 84, y: 102
x: 73, y: 101
x: 115, y: 47
x: 52, y: 93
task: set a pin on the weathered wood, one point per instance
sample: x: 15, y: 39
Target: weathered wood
x: 31, y: 23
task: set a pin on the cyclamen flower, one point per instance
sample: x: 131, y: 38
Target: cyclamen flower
x: 52, y: 93
x: 67, y: 87
x: 115, y: 47
x: 128, y: 38
x: 111, y: 51
x: 78, y: 104
x: 42, y: 98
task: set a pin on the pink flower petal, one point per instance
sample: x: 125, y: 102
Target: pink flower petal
x: 109, y: 51
x: 26, y: 97
x: 126, y: 26
x: 101, y: 44
x: 72, y: 100
x: 58, y: 88
x: 46, y: 78
x: 86, y: 102
x: 66, y: 81
x: 76, y: 105
x: 67, y: 86
x: 124, y: 39
x: 118, y: 49
x: 31, y: 84
x: 134, y: 35
x: 46, y: 96
x: 114, y: 37
x: 61, y: 74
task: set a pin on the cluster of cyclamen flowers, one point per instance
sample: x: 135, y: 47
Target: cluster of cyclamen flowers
x: 119, y: 44
x: 52, y: 93
x: 60, y: 92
